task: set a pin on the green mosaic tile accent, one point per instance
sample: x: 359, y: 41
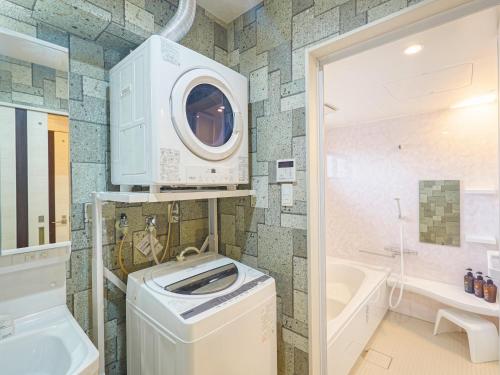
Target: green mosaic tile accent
x: 439, y: 205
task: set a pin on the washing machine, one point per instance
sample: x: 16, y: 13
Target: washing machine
x: 207, y: 315
x: 178, y: 118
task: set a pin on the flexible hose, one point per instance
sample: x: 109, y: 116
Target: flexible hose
x: 165, y: 250
x: 205, y: 244
x: 155, y: 257
x: 188, y: 249
x: 120, y: 256
x: 167, y: 243
x: 399, y: 282
x: 180, y: 24
x: 151, y: 243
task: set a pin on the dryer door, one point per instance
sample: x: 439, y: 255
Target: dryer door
x: 205, y: 114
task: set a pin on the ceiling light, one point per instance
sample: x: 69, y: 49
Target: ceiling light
x: 413, y: 49
x: 477, y: 100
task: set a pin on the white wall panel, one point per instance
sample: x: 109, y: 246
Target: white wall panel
x: 38, y: 176
x: 8, y: 178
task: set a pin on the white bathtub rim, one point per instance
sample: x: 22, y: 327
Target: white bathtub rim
x: 346, y: 261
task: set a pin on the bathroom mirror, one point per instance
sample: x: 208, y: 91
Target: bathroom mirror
x: 439, y: 206
x: 34, y: 143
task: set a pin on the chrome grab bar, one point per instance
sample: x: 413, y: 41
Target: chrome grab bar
x: 377, y: 253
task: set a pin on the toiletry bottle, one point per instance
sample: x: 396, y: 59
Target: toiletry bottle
x: 490, y: 290
x: 478, y: 285
x: 469, y: 281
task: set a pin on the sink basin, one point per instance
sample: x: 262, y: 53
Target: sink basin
x: 48, y: 343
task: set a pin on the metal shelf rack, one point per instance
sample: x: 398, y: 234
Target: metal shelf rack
x: 100, y: 272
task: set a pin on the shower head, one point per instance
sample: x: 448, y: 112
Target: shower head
x: 400, y: 216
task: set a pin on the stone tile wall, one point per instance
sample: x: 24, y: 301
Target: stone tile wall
x: 98, y: 34
x: 267, y: 45
x: 33, y: 85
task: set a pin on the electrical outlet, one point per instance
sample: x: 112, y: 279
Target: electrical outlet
x: 87, y: 212
x: 175, y: 213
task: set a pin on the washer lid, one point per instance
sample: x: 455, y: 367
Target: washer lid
x: 211, y: 281
x: 200, y: 276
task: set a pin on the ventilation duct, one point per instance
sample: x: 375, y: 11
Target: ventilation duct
x: 181, y: 22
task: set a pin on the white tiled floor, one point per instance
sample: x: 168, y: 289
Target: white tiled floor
x: 416, y: 351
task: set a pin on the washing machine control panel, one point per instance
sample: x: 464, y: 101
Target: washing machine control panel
x: 221, y: 300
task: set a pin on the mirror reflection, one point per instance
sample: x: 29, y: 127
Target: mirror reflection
x: 34, y: 143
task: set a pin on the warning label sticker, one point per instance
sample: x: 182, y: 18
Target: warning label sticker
x: 243, y: 169
x: 169, y: 165
x: 170, y: 53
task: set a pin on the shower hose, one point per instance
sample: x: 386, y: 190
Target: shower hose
x: 399, y: 282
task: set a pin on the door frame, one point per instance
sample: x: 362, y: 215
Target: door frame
x: 428, y: 13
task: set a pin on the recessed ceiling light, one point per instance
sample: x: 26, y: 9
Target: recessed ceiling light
x: 413, y: 49
x: 477, y: 100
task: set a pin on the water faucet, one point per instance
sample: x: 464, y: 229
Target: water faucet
x: 7, y: 326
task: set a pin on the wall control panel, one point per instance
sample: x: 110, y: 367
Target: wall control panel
x: 287, y: 195
x: 285, y: 171
x: 285, y: 175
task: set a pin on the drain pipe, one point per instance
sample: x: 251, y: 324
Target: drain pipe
x: 181, y: 22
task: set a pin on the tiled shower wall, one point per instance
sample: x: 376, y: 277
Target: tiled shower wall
x: 34, y: 85
x: 99, y: 33
x: 452, y: 144
x: 267, y: 45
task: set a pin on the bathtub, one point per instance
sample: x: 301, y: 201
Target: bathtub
x: 356, y: 301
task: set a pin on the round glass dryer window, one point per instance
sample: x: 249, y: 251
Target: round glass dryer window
x: 210, y: 115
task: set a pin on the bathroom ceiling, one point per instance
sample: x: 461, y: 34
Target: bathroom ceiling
x: 228, y: 10
x: 458, y: 61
